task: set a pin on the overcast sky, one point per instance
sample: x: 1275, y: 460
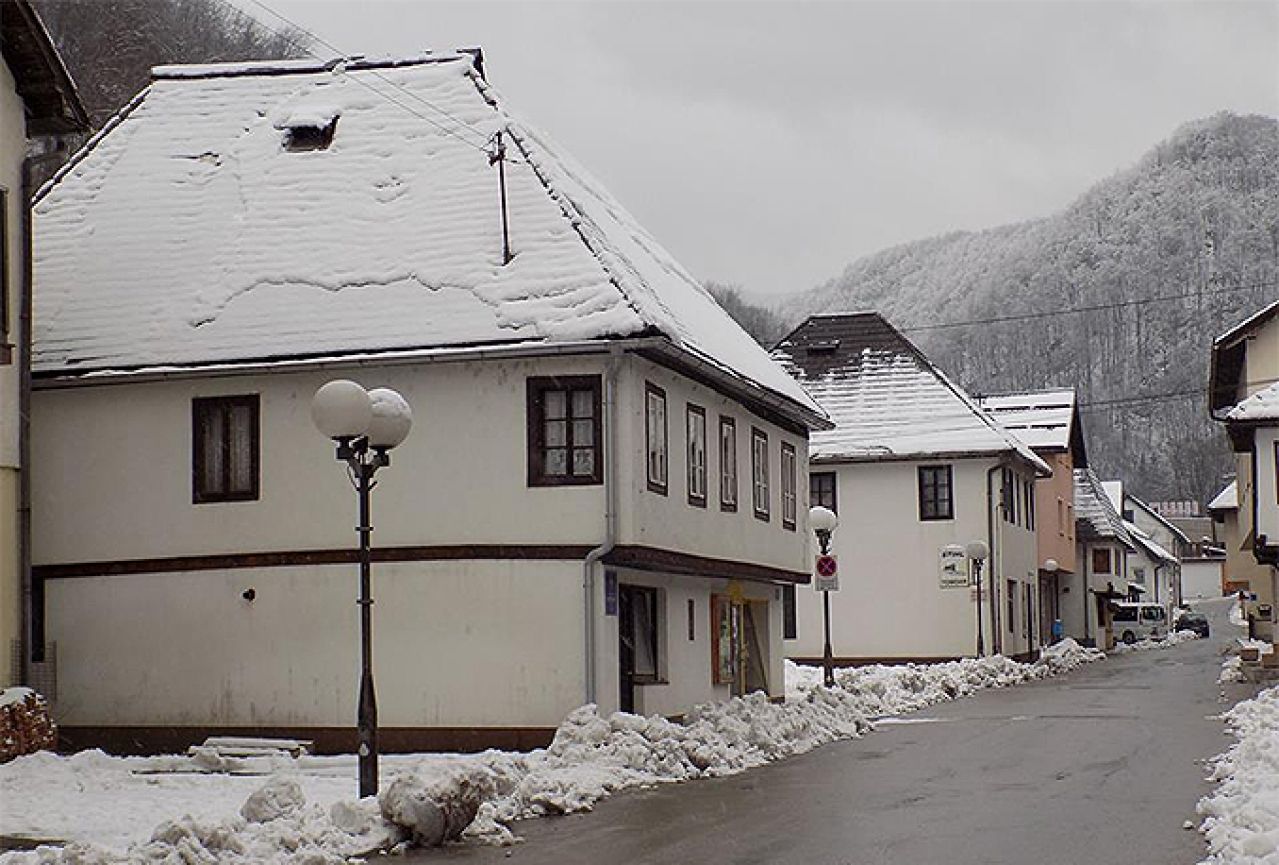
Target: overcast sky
x: 769, y: 144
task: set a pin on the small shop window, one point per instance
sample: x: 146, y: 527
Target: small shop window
x: 725, y: 624
x: 790, y: 618
x: 643, y: 603
x: 1012, y: 606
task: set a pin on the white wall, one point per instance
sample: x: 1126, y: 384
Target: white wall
x: 1200, y: 579
x: 1265, y: 483
x: 890, y: 603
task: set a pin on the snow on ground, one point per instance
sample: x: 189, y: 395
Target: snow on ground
x: 1241, y: 817
x: 108, y: 805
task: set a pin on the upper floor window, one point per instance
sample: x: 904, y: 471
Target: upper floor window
x: 821, y: 491
x: 1028, y: 489
x: 1061, y: 517
x: 225, y: 446
x: 1101, y: 563
x: 936, y: 498
x: 1012, y: 606
x: 695, y: 425
x: 655, y: 437
x: 727, y: 463
x: 759, y: 472
x: 565, y: 427
x: 789, y: 483
x: 4, y: 275
x: 1070, y: 521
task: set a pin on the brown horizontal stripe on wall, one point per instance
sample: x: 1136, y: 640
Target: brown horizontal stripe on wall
x: 643, y: 558
x: 851, y: 661
x: 147, y: 740
x: 295, y: 558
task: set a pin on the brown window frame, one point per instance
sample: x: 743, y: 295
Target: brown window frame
x: 535, y: 388
x: 662, y: 485
x: 222, y: 405
x: 790, y: 486
x: 816, y: 498
x: 790, y: 613
x: 729, y: 477
x: 692, y: 411
x: 922, y: 486
x: 4, y: 275
x: 1109, y: 569
x: 761, y: 513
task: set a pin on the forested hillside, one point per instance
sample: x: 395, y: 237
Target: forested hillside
x: 1166, y: 255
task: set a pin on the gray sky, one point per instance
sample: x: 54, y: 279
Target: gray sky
x: 771, y: 143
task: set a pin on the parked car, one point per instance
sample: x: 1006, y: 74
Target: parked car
x: 1196, y: 622
x: 1135, y: 621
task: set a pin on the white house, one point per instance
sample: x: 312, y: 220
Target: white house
x: 913, y: 467
x: 38, y: 107
x: 1152, y: 570
x: 1243, y: 393
x: 599, y: 500
x: 1104, y: 548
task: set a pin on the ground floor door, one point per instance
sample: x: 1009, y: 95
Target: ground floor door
x: 636, y: 641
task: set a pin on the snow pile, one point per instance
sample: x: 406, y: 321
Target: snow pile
x: 1175, y: 638
x: 1241, y: 818
x: 1231, y: 670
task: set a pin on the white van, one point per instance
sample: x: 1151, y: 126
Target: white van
x: 1133, y: 621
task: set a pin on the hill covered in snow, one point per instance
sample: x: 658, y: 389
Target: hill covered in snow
x: 1163, y: 256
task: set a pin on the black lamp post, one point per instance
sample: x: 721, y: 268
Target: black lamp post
x: 977, y: 553
x: 366, y: 425
x: 823, y: 522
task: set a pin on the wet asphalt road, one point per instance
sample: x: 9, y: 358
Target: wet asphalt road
x: 1104, y: 764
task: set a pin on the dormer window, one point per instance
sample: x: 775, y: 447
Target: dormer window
x: 823, y: 346
x: 310, y: 127
x: 297, y: 138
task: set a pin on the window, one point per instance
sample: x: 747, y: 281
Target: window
x: 4, y: 275
x: 695, y: 427
x: 1027, y: 624
x: 638, y: 619
x: 317, y: 135
x: 935, y: 498
x: 727, y: 464
x: 1012, y: 606
x: 790, y: 621
x: 759, y: 472
x: 1070, y: 521
x: 655, y: 437
x: 225, y: 442
x: 565, y: 431
x: 692, y: 628
x: 789, y: 481
x: 1006, y: 495
x: 1028, y: 487
x: 1061, y: 517
x: 821, y: 490
x: 1101, y: 561
x: 1139, y: 575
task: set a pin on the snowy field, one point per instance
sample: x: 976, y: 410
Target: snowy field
x: 192, y: 809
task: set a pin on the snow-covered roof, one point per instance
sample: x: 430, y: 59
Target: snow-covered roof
x: 1261, y: 406
x: 886, y: 399
x: 189, y: 233
x: 1095, y: 516
x: 1042, y: 419
x: 1227, y: 499
x: 1147, y: 543
x: 1115, y: 492
x: 1249, y: 324
x: 1138, y: 504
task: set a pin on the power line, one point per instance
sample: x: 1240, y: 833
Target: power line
x: 1122, y: 304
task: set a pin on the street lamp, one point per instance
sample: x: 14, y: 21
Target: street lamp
x: 977, y: 553
x: 1051, y: 567
x: 823, y: 522
x: 366, y: 425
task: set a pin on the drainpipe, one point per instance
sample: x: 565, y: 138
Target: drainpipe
x: 611, y: 457
x: 1084, y: 594
x: 31, y: 634
x: 996, y: 643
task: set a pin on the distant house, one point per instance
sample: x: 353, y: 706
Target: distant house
x: 38, y: 107
x: 1104, y: 546
x: 914, y: 467
x: 1243, y: 394
x: 1048, y: 421
x: 1154, y: 570
x: 600, y: 498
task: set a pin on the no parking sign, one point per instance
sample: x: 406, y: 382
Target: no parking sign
x: 826, y: 574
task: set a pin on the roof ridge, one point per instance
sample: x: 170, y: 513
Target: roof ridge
x: 307, y: 65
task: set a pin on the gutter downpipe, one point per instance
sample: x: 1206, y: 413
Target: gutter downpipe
x: 610, y: 520
x: 996, y: 644
x: 30, y: 628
